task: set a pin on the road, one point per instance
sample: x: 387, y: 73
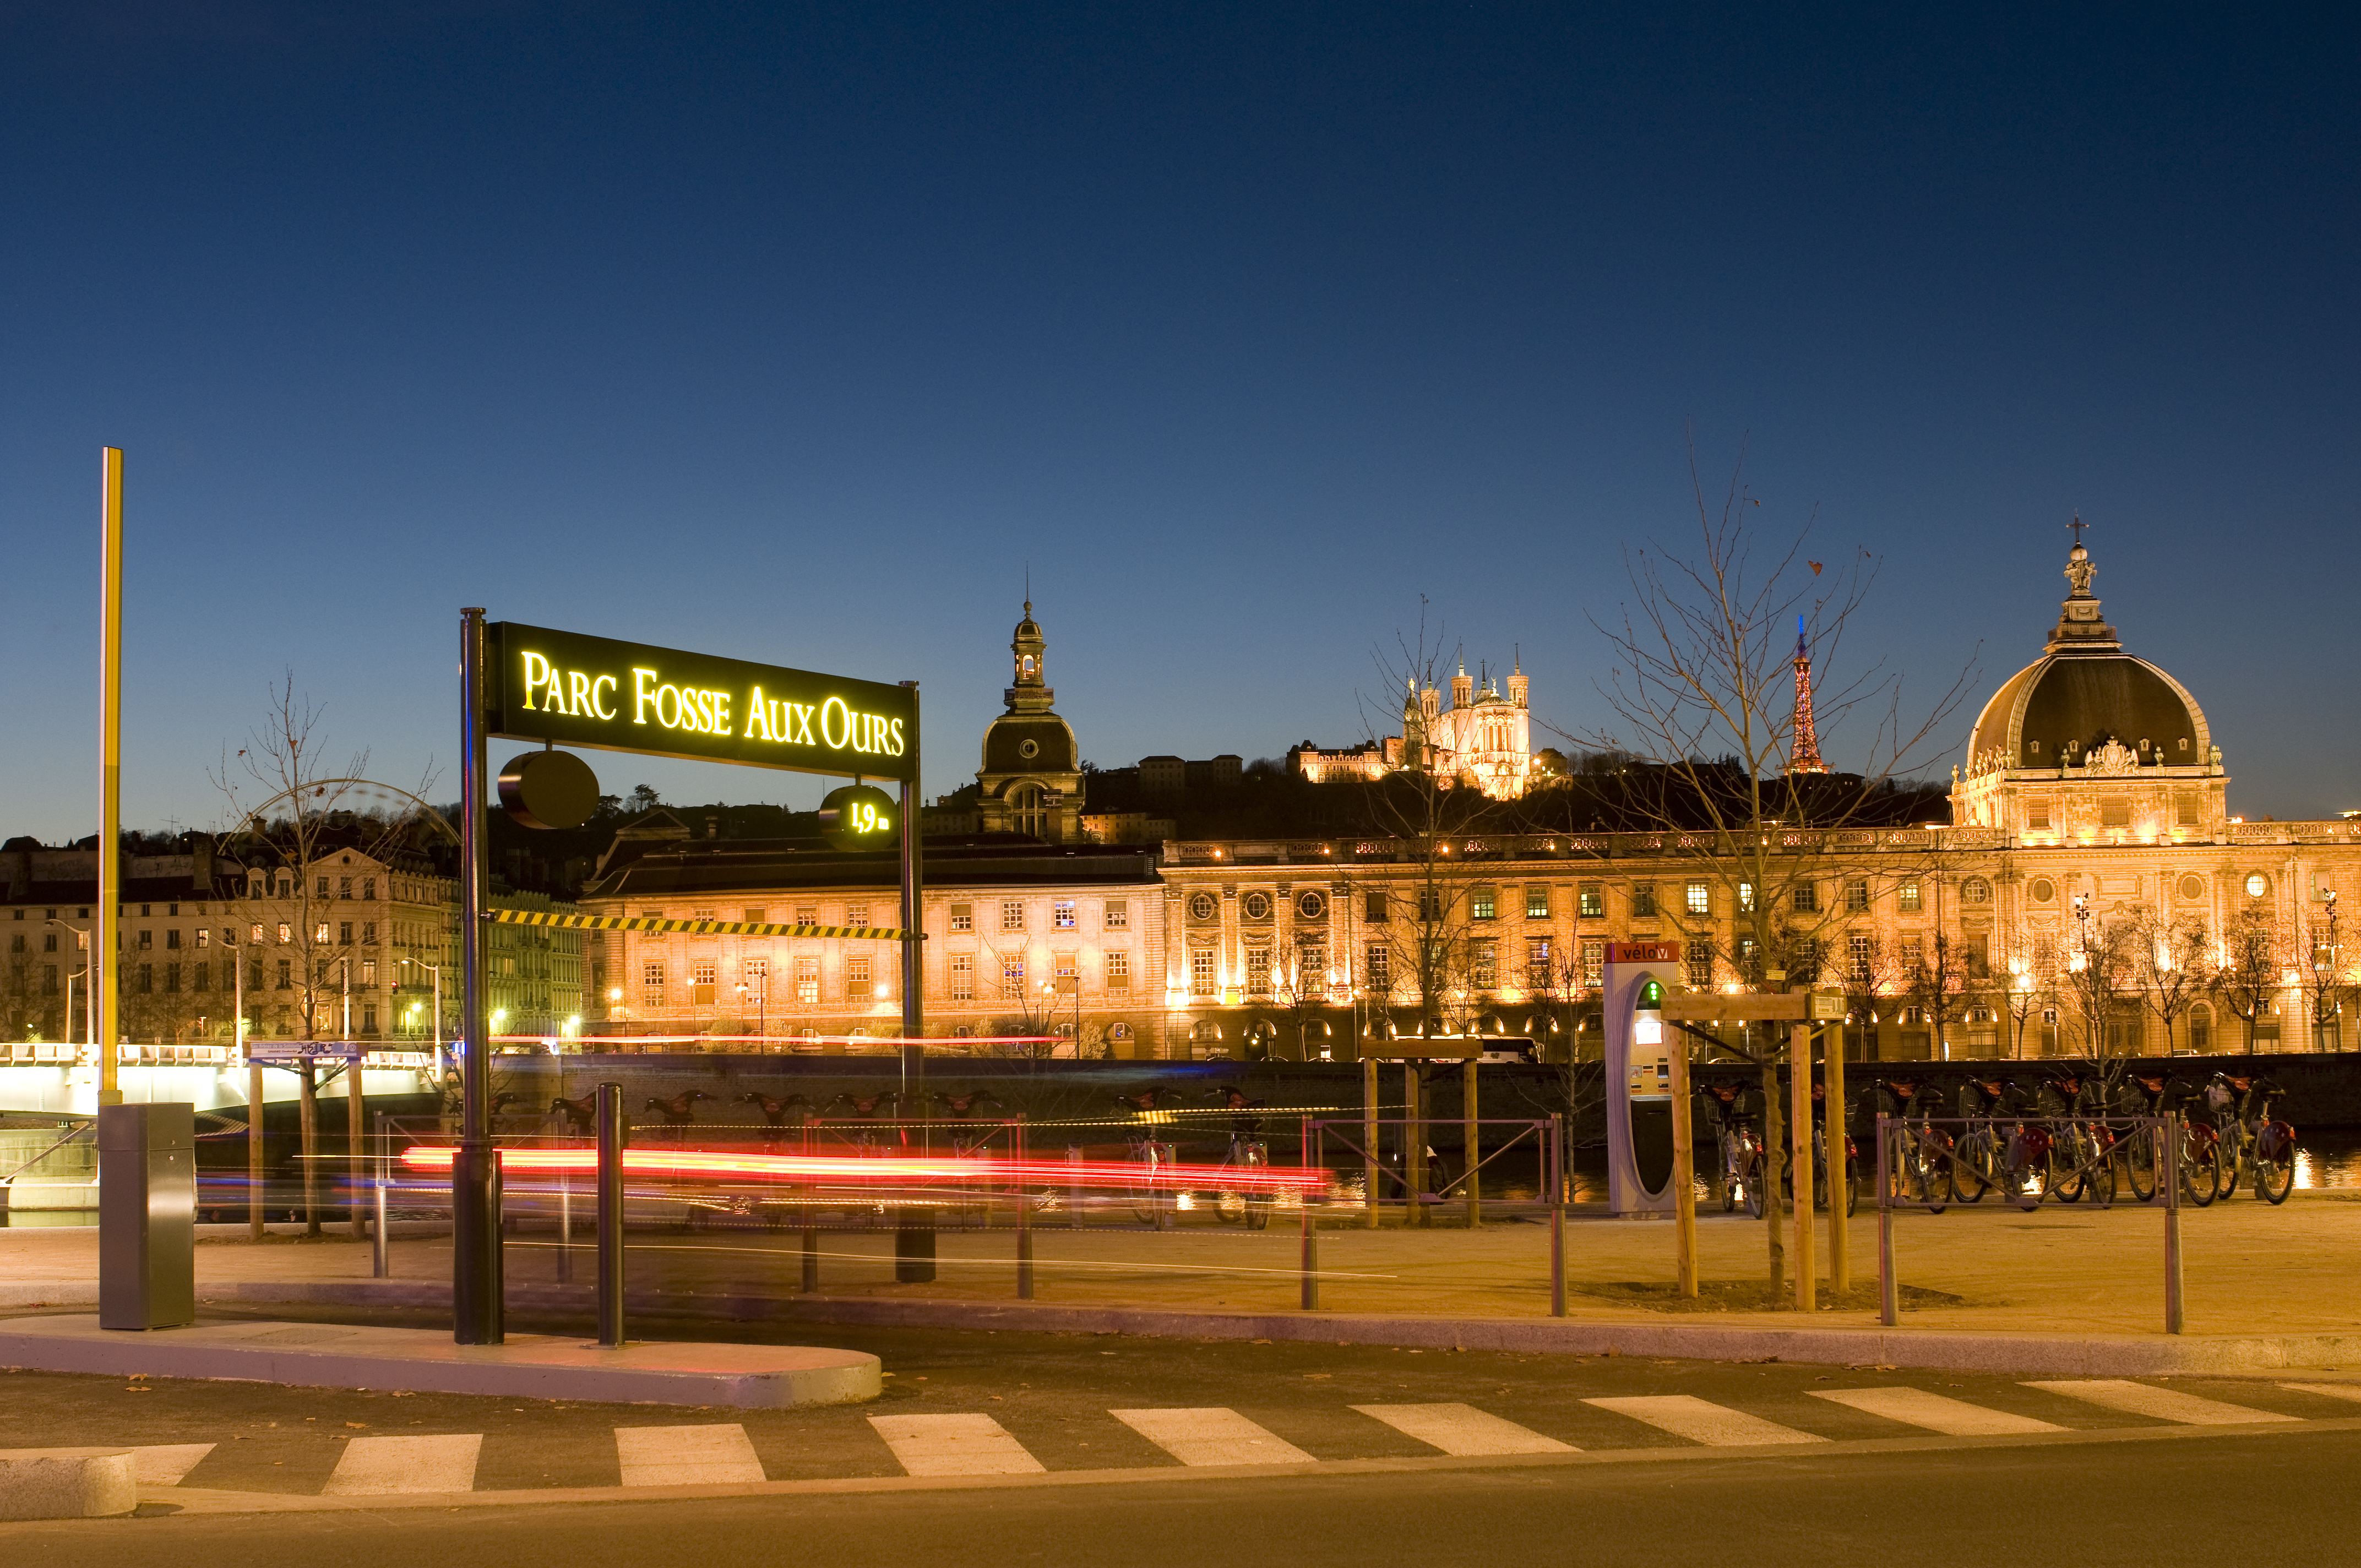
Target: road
x: 1061, y: 1449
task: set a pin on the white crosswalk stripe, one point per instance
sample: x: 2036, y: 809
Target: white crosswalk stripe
x: 954, y: 1445
x: 2334, y: 1390
x: 1936, y: 1412
x: 163, y: 1463
x: 2164, y: 1404
x: 384, y: 1466
x: 1464, y: 1429
x: 1211, y: 1436
x: 1701, y: 1420
x: 682, y: 1456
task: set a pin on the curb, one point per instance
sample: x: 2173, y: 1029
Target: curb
x: 2032, y: 1352
x: 67, y: 1483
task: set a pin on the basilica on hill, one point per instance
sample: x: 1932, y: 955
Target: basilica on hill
x: 1484, y: 739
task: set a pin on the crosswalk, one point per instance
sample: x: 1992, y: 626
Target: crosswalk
x: 969, y: 1443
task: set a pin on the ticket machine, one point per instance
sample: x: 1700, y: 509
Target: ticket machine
x: 1639, y: 1076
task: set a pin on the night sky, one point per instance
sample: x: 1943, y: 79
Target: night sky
x: 798, y: 333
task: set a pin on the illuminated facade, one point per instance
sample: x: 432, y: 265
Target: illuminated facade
x: 1484, y: 739
x: 1030, y: 781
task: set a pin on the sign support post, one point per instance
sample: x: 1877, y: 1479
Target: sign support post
x: 476, y: 1285
x: 1838, y: 1136
x: 914, y: 1237
x: 107, y: 932
x: 1799, y: 1134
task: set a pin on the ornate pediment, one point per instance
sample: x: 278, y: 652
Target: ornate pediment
x: 2112, y: 757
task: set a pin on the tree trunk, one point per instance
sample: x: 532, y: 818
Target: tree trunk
x: 1774, y: 1138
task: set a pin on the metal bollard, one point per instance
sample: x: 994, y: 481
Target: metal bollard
x: 1074, y: 1188
x: 1887, y: 1292
x: 564, y: 1229
x: 2170, y: 1133
x: 613, y: 1127
x: 1557, y: 1216
x: 1024, y: 1224
x: 380, y: 1240
x: 1311, y: 1253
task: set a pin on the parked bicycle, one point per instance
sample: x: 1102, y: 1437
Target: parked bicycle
x: 1923, y: 1152
x: 1738, y: 1149
x: 1822, y: 1192
x: 2197, y: 1140
x: 1247, y: 1201
x: 2082, y: 1153
x: 2000, y: 1150
x: 2253, y: 1143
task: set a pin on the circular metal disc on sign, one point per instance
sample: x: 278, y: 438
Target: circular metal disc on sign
x: 549, y: 789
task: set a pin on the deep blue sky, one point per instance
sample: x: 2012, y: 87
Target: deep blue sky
x: 796, y: 332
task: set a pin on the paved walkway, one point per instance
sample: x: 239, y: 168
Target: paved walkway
x: 2248, y: 1268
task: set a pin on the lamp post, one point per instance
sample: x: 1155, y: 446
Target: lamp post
x: 2324, y: 1006
x: 437, y: 972
x: 89, y: 995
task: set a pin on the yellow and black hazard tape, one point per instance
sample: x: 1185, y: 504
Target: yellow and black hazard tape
x: 694, y: 927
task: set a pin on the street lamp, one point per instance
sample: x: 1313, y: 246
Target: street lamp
x: 2324, y: 974
x: 90, y: 997
x: 437, y: 972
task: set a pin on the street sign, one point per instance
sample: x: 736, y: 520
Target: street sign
x: 859, y: 816
x: 291, y: 1053
x: 575, y: 690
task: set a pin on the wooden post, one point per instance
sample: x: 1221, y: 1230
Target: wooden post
x: 1799, y: 1099
x: 1685, y: 1252
x: 1470, y: 1151
x: 1414, y: 1146
x: 1369, y: 1142
x: 1775, y: 1132
x: 1837, y: 1129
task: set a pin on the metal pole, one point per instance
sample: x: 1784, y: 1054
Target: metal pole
x: 381, y: 1256
x: 1837, y: 1131
x: 1799, y: 1138
x: 1413, y: 1145
x: 254, y: 1224
x: 611, y: 1130
x: 564, y: 1228
x: 476, y: 1284
x: 1369, y: 1142
x: 107, y: 935
x: 1469, y: 1143
x: 1024, y: 1222
x: 1685, y: 1248
x: 1310, y: 1251
x: 914, y: 1237
x: 1074, y: 1188
x: 1556, y: 1164
x: 1886, y: 1303
x: 2169, y: 1131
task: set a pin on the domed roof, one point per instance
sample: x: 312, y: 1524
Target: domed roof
x: 1029, y: 743
x: 2084, y: 692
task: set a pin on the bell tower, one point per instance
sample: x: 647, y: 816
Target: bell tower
x: 1031, y: 780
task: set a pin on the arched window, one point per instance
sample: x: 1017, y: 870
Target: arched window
x: 1027, y: 811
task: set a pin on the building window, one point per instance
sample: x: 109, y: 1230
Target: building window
x: 1483, y: 903
x: 368, y: 1018
x: 1905, y: 897
x: 1374, y: 910
x: 807, y: 914
x: 172, y: 976
x: 1858, y: 948
x: 1698, y: 958
x: 1537, y: 963
x: 202, y: 978
x: 1119, y: 972
x: 1118, y: 915
x: 2114, y: 812
x: 1975, y: 890
x: 1258, y: 971
x: 1537, y: 902
x: 808, y: 980
x: 146, y: 939
x: 171, y: 939
x: 2201, y: 1027
x: 368, y: 973
x: 368, y: 933
x: 857, y: 983
x: 368, y: 888
x: 1914, y: 953
x: 1856, y: 897
x: 2037, y: 814
x: 1061, y: 914
x: 1976, y: 949
x: 1312, y: 906
x: 1746, y: 897
x: 856, y: 915
x: 2042, y: 890
x: 48, y: 980
x: 1012, y: 974
x: 344, y: 887
x: 323, y: 889
x: 1593, y: 962
x: 1379, y: 968
x: 1643, y: 901
x: 1485, y: 963
x: 1012, y: 914
x: 205, y: 935
x: 962, y: 977
x: 2257, y: 885
x: 2187, y: 816
x: 1590, y: 901
x: 1806, y: 899
x: 320, y: 934
x: 1699, y: 899
x: 962, y: 917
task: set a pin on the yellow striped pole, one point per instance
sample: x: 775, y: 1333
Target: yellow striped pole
x: 106, y: 983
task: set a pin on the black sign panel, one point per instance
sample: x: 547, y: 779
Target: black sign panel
x: 575, y: 690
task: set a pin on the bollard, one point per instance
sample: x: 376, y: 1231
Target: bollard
x: 381, y: 1247
x: 1471, y: 1143
x: 1369, y: 1142
x: 1074, y: 1188
x: 1886, y: 1303
x: 1556, y: 1164
x: 1310, y: 1256
x: 612, y: 1129
x: 1023, y: 1222
x: 2169, y: 1132
x: 564, y: 1229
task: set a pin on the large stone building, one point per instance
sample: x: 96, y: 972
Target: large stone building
x: 1484, y: 739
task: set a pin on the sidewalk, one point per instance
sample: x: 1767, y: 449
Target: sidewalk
x: 2064, y: 1288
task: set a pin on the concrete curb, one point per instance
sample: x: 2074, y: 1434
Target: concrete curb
x: 537, y: 1366
x: 67, y: 1483
x: 2029, y: 1351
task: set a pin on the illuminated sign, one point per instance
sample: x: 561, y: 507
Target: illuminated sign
x: 1643, y: 952
x: 858, y: 817
x: 573, y: 690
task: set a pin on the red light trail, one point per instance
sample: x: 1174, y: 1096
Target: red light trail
x: 709, y: 1165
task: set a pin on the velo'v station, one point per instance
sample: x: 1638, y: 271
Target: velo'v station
x: 565, y: 688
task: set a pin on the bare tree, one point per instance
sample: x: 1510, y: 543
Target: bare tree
x: 1935, y: 986
x: 2245, y: 977
x: 1300, y: 988
x: 2169, y: 960
x: 2032, y: 989
x: 2100, y: 979
x: 2320, y: 977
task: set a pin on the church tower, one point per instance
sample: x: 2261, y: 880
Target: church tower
x: 1031, y: 780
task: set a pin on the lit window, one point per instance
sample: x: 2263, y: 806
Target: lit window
x: 857, y: 984
x: 1381, y: 969
x: 1119, y: 972
x: 962, y: 977
x: 1258, y: 971
x: 1701, y: 899
x: 1118, y: 915
x: 1061, y: 914
x: 1906, y: 897
x: 1537, y: 902
x: 1200, y: 972
x: 1012, y: 914
x: 1482, y: 904
x: 1593, y: 962
x: 1856, y: 897
x: 1643, y: 901
x: 808, y: 980
x: 1012, y: 974
x: 1592, y: 901
x: 962, y: 917
x: 1486, y: 964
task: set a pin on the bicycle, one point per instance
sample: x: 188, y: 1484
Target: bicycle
x: 1822, y: 1192
x: 2014, y: 1167
x: 1251, y: 1203
x: 2253, y: 1142
x: 2082, y: 1156
x: 2200, y: 1143
x: 1738, y: 1150
x: 1924, y: 1152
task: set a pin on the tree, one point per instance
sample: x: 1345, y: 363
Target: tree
x: 2032, y: 989
x: 1935, y: 988
x: 1300, y: 989
x: 2168, y: 958
x: 2320, y: 976
x: 2100, y: 975
x: 2247, y: 975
